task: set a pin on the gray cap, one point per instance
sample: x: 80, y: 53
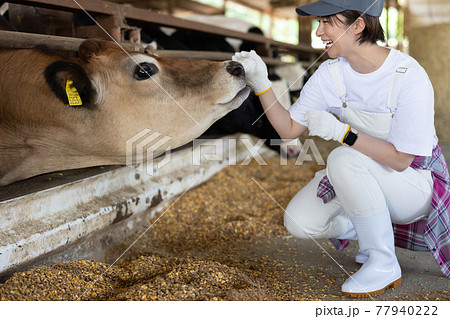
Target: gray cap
x: 323, y: 8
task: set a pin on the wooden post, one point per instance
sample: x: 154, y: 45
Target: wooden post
x: 386, y: 6
x: 171, y: 6
x: 304, y: 29
x: 112, y: 25
x: 4, y: 24
x: 38, y: 20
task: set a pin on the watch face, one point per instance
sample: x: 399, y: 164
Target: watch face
x: 350, y: 139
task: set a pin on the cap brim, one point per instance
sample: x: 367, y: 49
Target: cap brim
x: 318, y: 9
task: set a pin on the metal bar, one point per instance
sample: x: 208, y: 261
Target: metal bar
x: 208, y: 55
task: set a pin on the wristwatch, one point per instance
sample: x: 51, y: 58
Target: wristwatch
x: 350, y: 137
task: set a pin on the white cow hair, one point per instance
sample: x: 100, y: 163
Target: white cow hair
x: 99, y: 90
x: 281, y: 90
x: 222, y: 21
x: 293, y: 73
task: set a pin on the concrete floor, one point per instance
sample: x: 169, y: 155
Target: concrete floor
x: 421, y: 277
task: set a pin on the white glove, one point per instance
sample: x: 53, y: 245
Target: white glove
x: 255, y: 71
x: 326, y: 126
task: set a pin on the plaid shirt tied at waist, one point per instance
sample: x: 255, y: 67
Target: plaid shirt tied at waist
x: 432, y: 234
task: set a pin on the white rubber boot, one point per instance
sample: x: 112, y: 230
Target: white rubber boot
x: 361, y: 258
x: 381, y: 270
x: 350, y: 234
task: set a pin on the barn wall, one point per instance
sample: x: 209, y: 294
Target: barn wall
x: 428, y: 45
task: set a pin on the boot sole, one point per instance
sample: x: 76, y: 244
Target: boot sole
x: 393, y: 284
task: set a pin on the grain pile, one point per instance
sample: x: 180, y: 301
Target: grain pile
x: 427, y: 47
x: 195, y: 251
x: 223, y: 240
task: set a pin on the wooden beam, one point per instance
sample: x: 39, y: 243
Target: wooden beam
x: 209, y: 55
x: 23, y: 40
x: 145, y: 4
x: 198, y: 7
x: 108, y: 8
x: 98, y: 8
x: 248, y: 5
x: 171, y: 5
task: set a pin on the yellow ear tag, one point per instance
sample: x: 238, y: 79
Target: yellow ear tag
x: 72, y: 94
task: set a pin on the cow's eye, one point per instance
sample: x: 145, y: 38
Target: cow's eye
x: 144, y: 71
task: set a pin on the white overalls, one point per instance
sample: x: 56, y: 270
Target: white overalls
x: 362, y: 185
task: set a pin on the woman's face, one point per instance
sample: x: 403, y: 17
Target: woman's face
x: 334, y: 34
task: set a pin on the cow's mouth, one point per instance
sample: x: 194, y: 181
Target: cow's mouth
x: 238, y: 98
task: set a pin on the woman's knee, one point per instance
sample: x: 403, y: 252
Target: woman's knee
x: 303, y: 226
x: 306, y: 215
x: 293, y: 226
x: 342, y: 162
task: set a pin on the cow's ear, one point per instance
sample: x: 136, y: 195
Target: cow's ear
x: 91, y: 48
x: 70, y: 83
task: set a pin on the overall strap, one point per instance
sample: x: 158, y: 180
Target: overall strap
x: 338, y: 80
x: 392, y: 98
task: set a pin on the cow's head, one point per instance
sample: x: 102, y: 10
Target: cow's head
x: 126, y: 93
x: 117, y: 95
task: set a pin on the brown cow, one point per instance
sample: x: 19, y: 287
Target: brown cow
x: 121, y: 93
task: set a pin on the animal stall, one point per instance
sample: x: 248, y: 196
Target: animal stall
x: 67, y: 215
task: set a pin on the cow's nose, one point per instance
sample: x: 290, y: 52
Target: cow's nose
x: 235, y: 68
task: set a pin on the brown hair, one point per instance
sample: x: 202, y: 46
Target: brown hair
x: 371, y: 33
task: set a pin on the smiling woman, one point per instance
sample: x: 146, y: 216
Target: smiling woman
x: 372, y: 32
x: 391, y: 21
x: 332, y: 29
x: 379, y: 104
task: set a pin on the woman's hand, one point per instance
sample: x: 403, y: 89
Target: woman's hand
x: 326, y: 126
x: 255, y: 71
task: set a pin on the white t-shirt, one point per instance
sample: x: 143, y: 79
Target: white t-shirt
x: 412, y: 129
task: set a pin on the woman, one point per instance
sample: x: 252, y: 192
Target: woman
x: 389, y: 169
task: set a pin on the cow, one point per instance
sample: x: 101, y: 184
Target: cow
x: 287, y: 80
x: 249, y: 117
x: 59, y: 113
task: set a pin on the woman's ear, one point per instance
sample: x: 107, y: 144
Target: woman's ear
x: 358, y: 26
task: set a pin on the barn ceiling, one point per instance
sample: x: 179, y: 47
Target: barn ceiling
x: 420, y: 12
x: 426, y: 12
